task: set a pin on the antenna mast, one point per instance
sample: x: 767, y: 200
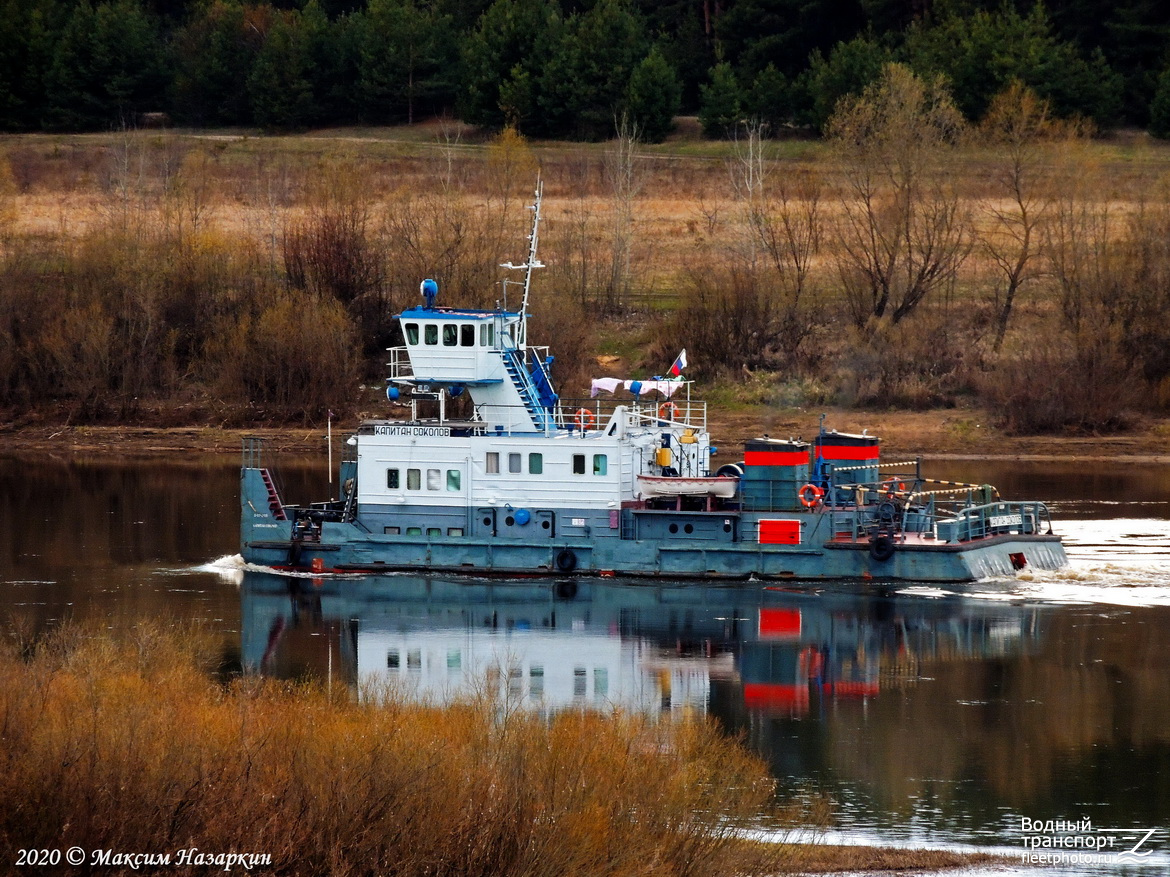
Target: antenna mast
x: 533, y: 262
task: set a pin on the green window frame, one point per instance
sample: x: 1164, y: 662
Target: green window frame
x: 430, y: 334
x: 393, y: 481
x: 454, y: 480
x: 535, y: 464
x: 600, y: 464
x: 410, y: 330
x: 413, y: 481
x: 450, y: 335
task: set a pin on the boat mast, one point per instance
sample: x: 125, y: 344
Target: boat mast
x: 533, y: 262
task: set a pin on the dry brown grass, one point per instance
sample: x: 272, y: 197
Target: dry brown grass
x: 147, y: 268
x: 131, y: 744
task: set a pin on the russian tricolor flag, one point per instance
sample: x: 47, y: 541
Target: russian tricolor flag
x: 679, y: 364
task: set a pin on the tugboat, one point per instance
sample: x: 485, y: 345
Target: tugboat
x: 493, y: 473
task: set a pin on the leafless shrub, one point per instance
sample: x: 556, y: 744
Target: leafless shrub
x: 902, y: 233
x: 921, y: 362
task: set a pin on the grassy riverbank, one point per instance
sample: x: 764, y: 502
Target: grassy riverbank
x: 140, y: 745
x: 954, y: 433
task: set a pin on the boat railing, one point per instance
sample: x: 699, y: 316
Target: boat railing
x: 946, y: 522
x: 995, y: 519
x: 597, y: 413
x: 254, y: 452
x: 399, y: 364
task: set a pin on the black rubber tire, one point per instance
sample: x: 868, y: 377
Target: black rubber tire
x: 566, y: 560
x: 882, y: 547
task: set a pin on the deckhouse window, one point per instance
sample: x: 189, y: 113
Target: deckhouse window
x: 492, y: 466
x: 467, y: 335
x: 600, y: 464
x: 450, y: 335
x: 578, y: 464
x: 430, y: 334
x: 487, y: 334
x: 414, y: 479
x: 411, y: 330
x: 434, y: 477
x: 535, y: 464
x: 453, y: 480
x: 514, y: 463
x: 392, y: 481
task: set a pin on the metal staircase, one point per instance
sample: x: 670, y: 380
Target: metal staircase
x: 522, y: 381
x: 274, y: 504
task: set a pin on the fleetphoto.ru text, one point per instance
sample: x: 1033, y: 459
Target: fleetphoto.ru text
x: 1076, y: 842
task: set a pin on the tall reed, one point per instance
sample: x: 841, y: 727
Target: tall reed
x: 132, y: 744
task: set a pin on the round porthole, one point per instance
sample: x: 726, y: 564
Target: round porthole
x: 688, y: 529
x: 509, y: 521
x: 727, y: 526
x: 544, y: 524
x: 674, y: 528
x: 487, y: 522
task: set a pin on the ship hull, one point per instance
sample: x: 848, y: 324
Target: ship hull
x: 348, y: 548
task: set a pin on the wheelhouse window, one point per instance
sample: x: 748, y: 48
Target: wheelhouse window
x: 514, y: 463
x: 392, y: 479
x: 430, y: 334
x: 411, y: 332
x: 600, y: 464
x: 450, y: 335
x: 492, y: 464
x: 454, y: 480
x: 434, y: 479
x: 578, y: 464
x: 487, y: 334
x: 535, y: 464
x: 467, y: 335
x: 414, y: 479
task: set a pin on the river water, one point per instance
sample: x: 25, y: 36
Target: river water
x: 939, y: 717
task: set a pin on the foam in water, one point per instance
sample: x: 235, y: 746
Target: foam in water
x: 1120, y: 562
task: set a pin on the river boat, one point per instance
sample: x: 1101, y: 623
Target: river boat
x: 491, y: 472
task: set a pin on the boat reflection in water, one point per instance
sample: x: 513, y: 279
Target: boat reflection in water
x: 655, y: 649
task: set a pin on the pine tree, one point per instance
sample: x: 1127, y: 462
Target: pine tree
x: 720, y: 102
x: 653, y: 97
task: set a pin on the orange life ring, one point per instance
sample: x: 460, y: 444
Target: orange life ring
x: 810, y: 495
x: 584, y: 419
x: 891, y: 485
x: 667, y: 410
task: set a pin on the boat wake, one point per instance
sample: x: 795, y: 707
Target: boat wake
x: 1121, y: 562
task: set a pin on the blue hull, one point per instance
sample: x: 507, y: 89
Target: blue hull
x: 347, y: 547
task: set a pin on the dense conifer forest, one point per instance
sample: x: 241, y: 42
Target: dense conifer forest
x: 562, y: 68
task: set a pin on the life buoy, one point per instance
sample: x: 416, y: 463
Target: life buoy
x: 881, y: 547
x: 584, y: 419
x: 895, y: 487
x: 810, y: 495
x: 566, y: 560
x: 667, y: 411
